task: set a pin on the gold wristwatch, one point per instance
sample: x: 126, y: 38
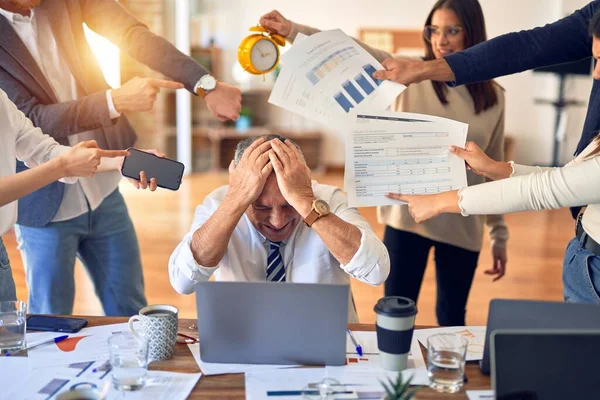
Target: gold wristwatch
x: 320, y: 208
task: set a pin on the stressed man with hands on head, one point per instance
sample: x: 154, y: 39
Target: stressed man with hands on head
x: 272, y: 223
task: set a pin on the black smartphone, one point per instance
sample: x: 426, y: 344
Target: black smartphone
x: 55, y: 324
x: 167, y: 172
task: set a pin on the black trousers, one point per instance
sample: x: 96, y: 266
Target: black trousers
x: 455, y: 268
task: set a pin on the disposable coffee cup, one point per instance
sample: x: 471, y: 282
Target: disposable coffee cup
x: 395, y: 326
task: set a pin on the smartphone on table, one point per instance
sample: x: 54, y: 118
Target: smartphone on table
x: 168, y: 173
x: 55, y: 324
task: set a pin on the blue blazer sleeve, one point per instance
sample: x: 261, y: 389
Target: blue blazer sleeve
x: 565, y: 40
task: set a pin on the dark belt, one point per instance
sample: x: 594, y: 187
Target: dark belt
x: 585, y: 240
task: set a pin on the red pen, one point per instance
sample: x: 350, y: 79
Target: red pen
x: 188, y: 339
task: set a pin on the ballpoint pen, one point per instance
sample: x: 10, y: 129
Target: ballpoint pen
x: 358, y: 346
x: 188, y: 339
x: 40, y: 343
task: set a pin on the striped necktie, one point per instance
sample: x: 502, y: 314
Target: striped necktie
x: 275, y: 268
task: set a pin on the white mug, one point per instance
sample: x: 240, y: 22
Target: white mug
x: 159, y: 328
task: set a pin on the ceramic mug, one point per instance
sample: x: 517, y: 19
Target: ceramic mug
x: 159, y: 328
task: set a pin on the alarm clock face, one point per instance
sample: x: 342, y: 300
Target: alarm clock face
x: 264, y: 55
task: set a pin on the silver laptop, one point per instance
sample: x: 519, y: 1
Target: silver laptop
x: 545, y: 364
x: 272, y: 323
x: 528, y: 314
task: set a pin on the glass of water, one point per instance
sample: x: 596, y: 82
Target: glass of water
x: 446, y: 354
x: 12, y: 326
x: 128, y: 360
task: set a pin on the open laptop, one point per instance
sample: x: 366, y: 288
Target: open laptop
x: 272, y: 323
x: 527, y: 314
x: 545, y: 364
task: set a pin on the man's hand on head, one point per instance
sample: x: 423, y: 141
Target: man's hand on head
x: 293, y: 175
x: 247, y: 179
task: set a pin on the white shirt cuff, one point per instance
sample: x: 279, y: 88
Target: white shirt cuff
x: 69, y: 180
x: 112, y: 111
x: 184, y: 271
x: 371, y: 262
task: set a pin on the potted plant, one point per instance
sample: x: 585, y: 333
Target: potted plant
x: 245, y: 121
x: 399, y: 389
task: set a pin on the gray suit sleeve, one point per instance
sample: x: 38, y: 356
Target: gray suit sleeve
x: 61, y: 119
x: 109, y: 19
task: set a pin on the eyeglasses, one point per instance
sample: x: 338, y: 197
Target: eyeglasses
x: 433, y: 31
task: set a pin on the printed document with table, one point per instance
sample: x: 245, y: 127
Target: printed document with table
x: 390, y: 152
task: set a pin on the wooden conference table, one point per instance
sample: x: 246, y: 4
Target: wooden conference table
x: 232, y: 386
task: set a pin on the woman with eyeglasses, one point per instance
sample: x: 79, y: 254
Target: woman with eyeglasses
x: 451, y: 26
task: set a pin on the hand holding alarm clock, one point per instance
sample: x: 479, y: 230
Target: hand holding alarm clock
x: 259, y: 53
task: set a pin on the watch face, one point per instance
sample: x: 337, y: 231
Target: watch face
x: 322, y: 207
x: 208, y: 82
x: 264, y: 55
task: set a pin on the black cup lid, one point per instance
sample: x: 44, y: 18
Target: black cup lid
x: 396, y: 306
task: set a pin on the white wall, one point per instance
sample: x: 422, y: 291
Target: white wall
x: 531, y: 125
x: 577, y: 88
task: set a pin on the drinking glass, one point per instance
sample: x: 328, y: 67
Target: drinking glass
x: 12, y: 326
x: 446, y: 354
x: 128, y: 360
x: 327, y: 389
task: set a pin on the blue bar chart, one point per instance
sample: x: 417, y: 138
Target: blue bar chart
x: 370, y: 70
x: 364, y: 84
x: 343, y: 101
x: 353, y: 92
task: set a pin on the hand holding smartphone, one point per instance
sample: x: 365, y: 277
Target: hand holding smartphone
x: 168, y: 173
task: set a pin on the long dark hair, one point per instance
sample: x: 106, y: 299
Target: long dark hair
x: 471, y: 17
x: 595, y: 32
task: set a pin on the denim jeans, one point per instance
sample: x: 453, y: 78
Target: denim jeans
x: 105, y: 242
x: 7, y: 283
x: 581, y: 274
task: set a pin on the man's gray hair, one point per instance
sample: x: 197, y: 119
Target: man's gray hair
x: 244, y: 144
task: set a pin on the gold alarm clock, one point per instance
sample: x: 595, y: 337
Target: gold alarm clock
x: 259, y: 53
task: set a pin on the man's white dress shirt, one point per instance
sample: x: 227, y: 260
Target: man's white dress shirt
x: 305, y: 256
x: 36, y: 34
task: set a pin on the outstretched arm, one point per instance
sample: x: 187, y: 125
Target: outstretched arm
x: 565, y: 40
x: 568, y: 186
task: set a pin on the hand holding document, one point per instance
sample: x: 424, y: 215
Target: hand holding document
x: 388, y: 152
x: 327, y: 75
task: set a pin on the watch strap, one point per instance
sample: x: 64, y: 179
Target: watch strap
x: 312, y: 217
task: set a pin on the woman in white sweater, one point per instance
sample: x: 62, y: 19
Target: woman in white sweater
x: 48, y: 161
x: 533, y: 188
x: 452, y: 25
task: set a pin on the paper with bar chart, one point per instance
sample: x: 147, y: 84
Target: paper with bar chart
x: 327, y: 75
x: 404, y: 153
x: 87, y: 345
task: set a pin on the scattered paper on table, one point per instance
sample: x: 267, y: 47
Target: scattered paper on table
x: 390, y: 152
x: 480, y: 394
x: 366, y: 339
x: 89, y: 344
x: 13, y: 373
x: 221, y: 369
x: 160, y: 385
x: 291, y: 382
x: 370, y: 363
x: 475, y: 335
x: 326, y: 75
